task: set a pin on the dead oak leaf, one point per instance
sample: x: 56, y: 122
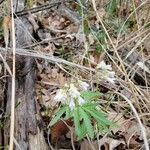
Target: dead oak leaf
x: 60, y: 129
x: 86, y: 146
x: 112, y: 143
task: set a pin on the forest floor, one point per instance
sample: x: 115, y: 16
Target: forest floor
x: 69, y: 41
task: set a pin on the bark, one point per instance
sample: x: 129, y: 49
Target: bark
x: 27, y: 132
x: 28, y: 135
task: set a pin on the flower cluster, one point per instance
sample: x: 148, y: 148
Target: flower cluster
x: 70, y: 94
x: 106, y: 72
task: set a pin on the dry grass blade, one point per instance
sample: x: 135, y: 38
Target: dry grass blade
x: 11, y: 143
x: 123, y: 70
x: 138, y: 119
x: 6, y: 65
x: 32, y: 53
x: 6, y: 28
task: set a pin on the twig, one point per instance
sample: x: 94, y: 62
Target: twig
x: 32, y: 53
x: 66, y: 71
x: 39, y: 8
x: 138, y: 119
x: 17, y: 145
x: 119, y: 34
x: 5, y: 64
x: 72, y: 142
x: 91, y: 145
x: 132, y: 39
x: 49, y: 140
x: 44, y: 41
x: 12, y: 123
x: 1, y: 1
x: 121, y: 68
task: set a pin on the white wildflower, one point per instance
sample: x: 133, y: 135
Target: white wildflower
x: 102, y: 65
x: 74, y: 93
x: 111, y: 74
x: 81, y: 101
x: 61, y: 95
x: 111, y: 80
x: 83, y: 85
x: 70, y: 96
x: 72, y: 104
x: 105, y: 72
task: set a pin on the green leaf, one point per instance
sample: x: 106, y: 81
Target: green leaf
x: 77, y: 123
x: 147, y: 25
x: 90, y: 105
x: 87, y: 121
x: 68, y: 113
x: 100, y: 113
x: 99, y: 48
x: 58, y: 115
x: 84, y: 131
x: 102, y: 129
x: 90, y: 95
x: 97, y: 115
x: 93, y: 107
x: 112, y: 6
x: 86, y: 27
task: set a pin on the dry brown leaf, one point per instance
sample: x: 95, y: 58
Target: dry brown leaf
x: 40, y: 67
x: 86, y: 146
x: 48, y: 101
x: 54, y: 73
x: 53, y: 22
x: 111, y: 142
x: 61, y: 79
x: 59, y: 129
x: 101, y: 12
x: 91, y: 39
x: 50, y: 49
x: 33, y: 22
x: 6, y: 28
x: 72, y: 29
x: 80, y: 35
x: 119, y: 119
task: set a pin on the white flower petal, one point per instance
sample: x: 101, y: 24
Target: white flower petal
x: 66, y: 85
x: 105, y: 72
x: 108, y: 67
x: 111, y: 80
x: 83, y: 85
x: 70, y: 95
x: 71, y: 104
x: 73, y: 92
x: 102, y: 65
x: 111, y: 74
x: 61, y: 95
x: 81, y: 101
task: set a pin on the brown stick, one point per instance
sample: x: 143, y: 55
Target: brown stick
x: 39, y: 8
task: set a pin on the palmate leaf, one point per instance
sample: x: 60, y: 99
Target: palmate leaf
x: 77, y: 123
x: 92, y: 106
x: 58, y: 115
x: 68, y: 113
x: 90, y: 95
x: 87, y: 122
x: 97, y: 115
x: 102, y: 129
x: 84, y: 131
